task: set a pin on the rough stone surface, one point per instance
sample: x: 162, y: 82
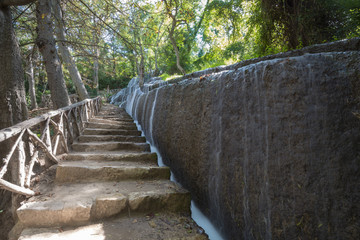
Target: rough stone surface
x: 150, y: 227
x: 100, y: 171
x: 110, y: 146
x: 268, y: 150
x: 108, y: 206
x: 99, y: 131
x: 113, y: 156
x: 112, y: 181
x: 54, y: 213
x: 173, y: 202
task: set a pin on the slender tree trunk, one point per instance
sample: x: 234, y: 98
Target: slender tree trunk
x: 96, y: 58
x: 177, y: 54
x: 96, y: 70
x: 12, y: 91
x: 31, y: 80
x: 157, y: 71
x: 13, y: 107
x: 46, y: 43
x: 65, y: 52
x: 190, y: 40
x: 172, y: 31
x: 141, y: 69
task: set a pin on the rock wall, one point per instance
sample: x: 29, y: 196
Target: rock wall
x: 269, y: 150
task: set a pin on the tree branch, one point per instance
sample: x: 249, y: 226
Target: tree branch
x: 15, y: 188
x: 7, y: 3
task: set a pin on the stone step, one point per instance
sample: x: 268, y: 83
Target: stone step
x: 113, y: 156
x: 114, y: 121
x: 108, y: 138
x: 125, y: 126
x: 170, y: 225
x: 80, y: 203
x: 121, y: 117
x: 112, y: 111
x: 111, y: 186
x: 110, y: 146
x: 97, y: 131
x: 90, y: 171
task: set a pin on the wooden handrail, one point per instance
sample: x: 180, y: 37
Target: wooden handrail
x: 58, y: 129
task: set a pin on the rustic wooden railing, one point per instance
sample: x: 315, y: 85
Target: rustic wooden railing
x: 46, y: 137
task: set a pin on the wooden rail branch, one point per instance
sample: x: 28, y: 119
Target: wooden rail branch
x: 86, y: 112
x: 59, y: 135
x: 46, y: 134
x: 43, y: 146
x: 6, y: 160
x: 14, y: 130
x: 74, y: 113
x: 21, y: 159
x: 62, y: 132
x: 78, y: 114
x: 67, y: 125
x: 33, y: 160
x: 64, y: 122
x: 81, y: 112
x: 15, y: 188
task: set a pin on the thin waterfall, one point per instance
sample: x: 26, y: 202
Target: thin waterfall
x: 152, y: 118
x: 131, y: 107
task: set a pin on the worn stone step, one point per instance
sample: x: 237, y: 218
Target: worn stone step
x: 170, y: 225
x: 125, y: 126
x: 111, y: 121
x: 90, y: 171
x: 110, y: 146
x: 98, y: 131
x: 107, y: 138
x: 117, y: 116
x: 76, y: 204
x: 114, y: 112
x: 113, y: 156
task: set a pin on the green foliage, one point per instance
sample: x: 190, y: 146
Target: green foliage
x: 234, y: 50
x: 294, y: 24
x: 208, y: 33
x: 212, y: 58
x: 167, y: 77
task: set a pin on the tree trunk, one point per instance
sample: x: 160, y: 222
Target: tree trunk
x: 96, y: 58
x: 12, y: 95
x: 12, y: 92
x: 96, y: 70
x: 141, y: 69
x: 157, y: 71
x: 31, y: 80
x: 173, y: 42
x: 65, y: 52
x: 173, y: 15
x: 46, y: 43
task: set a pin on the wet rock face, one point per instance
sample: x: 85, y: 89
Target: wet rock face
x: 269, y: 150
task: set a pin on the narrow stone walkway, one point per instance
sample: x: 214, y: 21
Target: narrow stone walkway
x: 108, y: 187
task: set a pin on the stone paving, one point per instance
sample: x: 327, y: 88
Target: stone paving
x: 108, y: 187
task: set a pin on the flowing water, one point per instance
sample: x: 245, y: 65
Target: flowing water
x: 131, y: 107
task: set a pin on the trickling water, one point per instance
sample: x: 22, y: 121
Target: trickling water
x: 143, y: 114
x: 131, y: 108
x: 263, y: 136
x: 246, y: 210
x: 196, y: 213
x: 215, y: 176
x: 204, y: 222
x: 152, y: 117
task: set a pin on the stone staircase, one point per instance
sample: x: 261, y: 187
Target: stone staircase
x: 108, y: 187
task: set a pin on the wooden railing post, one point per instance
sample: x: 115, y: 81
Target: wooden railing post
x: 67, y: 123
